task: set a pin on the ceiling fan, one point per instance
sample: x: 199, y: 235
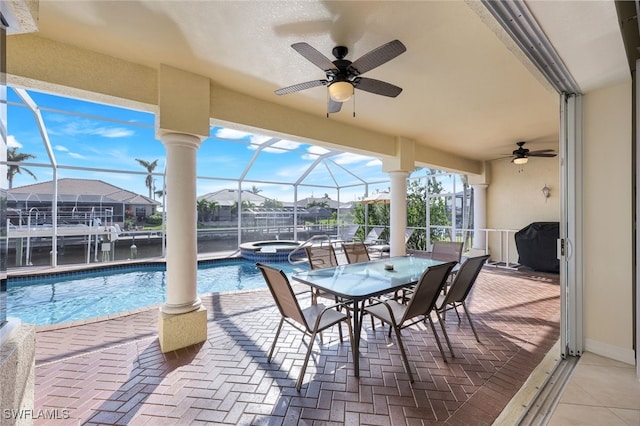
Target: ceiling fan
x: 522, y: 154
x: 343, y: 76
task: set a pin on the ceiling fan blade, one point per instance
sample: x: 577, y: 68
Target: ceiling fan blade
x: 377, y: 57
x: 333, y: 106
x: 300, y: 86
x: 314, y: 56
x: 539, y: 151
x: 378, y: 87
x: 541, y: 154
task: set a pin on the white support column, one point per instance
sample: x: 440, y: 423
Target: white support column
x: 479, y: 215
x: 182, y: 123
x: 398, y: 216
x: 182, y: 251
x: 398, y: 169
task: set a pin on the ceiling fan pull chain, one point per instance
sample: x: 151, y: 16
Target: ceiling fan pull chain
x: 328, y: 97
x: 354, y: 104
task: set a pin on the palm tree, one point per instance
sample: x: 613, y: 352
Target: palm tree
x: 150, y: 166
x: 14, y: 156
x: 255, y: 190
x: 318, y: 203
x: 245, y: 205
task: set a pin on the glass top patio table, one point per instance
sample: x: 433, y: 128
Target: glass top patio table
x: 359, y: 281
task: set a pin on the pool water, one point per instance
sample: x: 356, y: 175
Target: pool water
x: 83, y: 295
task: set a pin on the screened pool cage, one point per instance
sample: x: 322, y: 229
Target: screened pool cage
x: 99, y: 195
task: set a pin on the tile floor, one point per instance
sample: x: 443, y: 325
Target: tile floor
x: 112, y: 372
x: 601, y: 391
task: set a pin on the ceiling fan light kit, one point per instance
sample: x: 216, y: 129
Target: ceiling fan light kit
x: 343, y: 76
x: 341, y: 91
x: 522, y: 154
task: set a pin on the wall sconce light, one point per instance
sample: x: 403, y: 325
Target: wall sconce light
x: 546, y: 192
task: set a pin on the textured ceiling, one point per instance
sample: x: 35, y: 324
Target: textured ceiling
x: 465, y: 91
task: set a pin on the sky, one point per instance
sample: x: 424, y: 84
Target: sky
x: 97, y: 136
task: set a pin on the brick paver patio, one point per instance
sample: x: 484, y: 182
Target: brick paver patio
x: 112, y: 372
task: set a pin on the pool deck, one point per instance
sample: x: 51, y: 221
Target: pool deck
x: 113, y: 372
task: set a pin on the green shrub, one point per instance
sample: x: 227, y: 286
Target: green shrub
x: 154, y: 219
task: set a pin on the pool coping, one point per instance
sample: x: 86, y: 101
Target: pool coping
x: 79, y: 268
x: 76, y: 323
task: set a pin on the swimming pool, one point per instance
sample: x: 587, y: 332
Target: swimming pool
x: 89, y: 294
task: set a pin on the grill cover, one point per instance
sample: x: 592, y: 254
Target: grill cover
x: 536, y: 245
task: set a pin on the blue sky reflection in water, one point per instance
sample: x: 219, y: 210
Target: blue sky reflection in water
x: 95, y: 294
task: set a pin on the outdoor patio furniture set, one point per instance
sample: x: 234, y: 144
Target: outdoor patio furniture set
x: 399, y: 291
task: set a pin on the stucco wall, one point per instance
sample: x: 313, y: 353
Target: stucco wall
x: 608, y: 228
x: 17, y: 376
x: 515, y: 199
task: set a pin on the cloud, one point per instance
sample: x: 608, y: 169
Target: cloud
x: 57, y: 118
x: 63, y: 148
x: 376, y: 162
x: 348, y: 158
x: 224, y: 133
x: 313, y: 152
x: 285, y: 144
x: 12, y: 142
x: 255, y: 140
x: 280, y: 147
x: 115, y: 132
x: 86, y: 127
x: 318, y: 150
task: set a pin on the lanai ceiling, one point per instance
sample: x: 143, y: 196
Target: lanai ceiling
x: 467, y: 90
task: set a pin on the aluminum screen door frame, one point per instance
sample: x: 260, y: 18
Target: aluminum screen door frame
x: 520, y: 24
x: 570, y: 243
x: 637, y: 228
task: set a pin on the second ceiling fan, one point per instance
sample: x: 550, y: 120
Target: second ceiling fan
x: 343, y: 76
x: 522, y: 154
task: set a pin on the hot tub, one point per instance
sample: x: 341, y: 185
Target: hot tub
x: 270, y: 251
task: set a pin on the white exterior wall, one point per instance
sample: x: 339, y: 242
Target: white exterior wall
x: 608, y: 231
x: 514, y: 198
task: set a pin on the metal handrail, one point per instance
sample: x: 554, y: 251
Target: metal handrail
x: 309, y: 242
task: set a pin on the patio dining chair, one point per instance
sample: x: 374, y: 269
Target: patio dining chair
x: 460, y: 288
x: 356, y: 252
x: 321, y: 257
x: 418, y: 309
x: 311, y: 320
x: 447, y: 251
